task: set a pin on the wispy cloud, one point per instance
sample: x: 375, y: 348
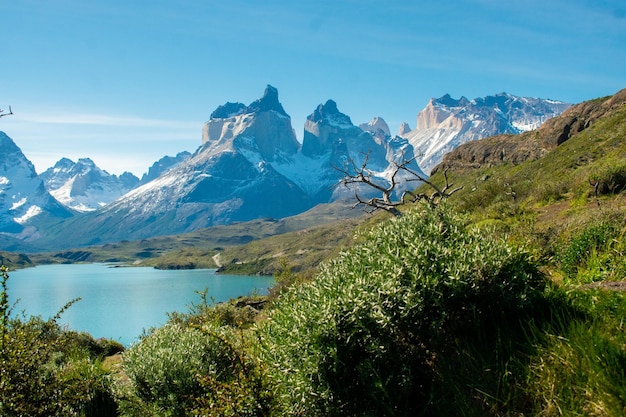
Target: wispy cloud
x: 104, y: 120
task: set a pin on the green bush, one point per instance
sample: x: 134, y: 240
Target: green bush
x: 44, y: 372
x: 610, y: 180
x: 179, y: 371
x: 367, y: 336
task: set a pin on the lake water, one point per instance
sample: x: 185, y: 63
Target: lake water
x: 120, y: 302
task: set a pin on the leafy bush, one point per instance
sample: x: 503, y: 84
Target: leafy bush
x: 367, y: 336
x: 44, y: 372
x: 179, y: 371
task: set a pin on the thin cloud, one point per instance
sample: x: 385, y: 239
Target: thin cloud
x: 104, y: 120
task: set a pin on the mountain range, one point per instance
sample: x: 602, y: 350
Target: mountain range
x: 446, y: 123
x: 249, y: 165
x: 82, y: 186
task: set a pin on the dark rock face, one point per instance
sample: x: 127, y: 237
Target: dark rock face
x: 160, y: 166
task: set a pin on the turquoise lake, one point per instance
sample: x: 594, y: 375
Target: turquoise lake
x: 120, y: 302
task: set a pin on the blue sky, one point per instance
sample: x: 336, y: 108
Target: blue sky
x: 127, y: 82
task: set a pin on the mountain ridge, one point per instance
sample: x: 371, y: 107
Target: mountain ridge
x: 250, y: 165
x: 445, y: 123
x: 532, y: 145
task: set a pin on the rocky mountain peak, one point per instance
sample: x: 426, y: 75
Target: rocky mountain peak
x: 86, y: 162
x: 268, y: 102
x: 328, y: 112
x: 446, y: 123
x: 162, y: 165
x: 23, y: 198
x: 83, y: 186
x: 515, y: 149
x: 263, y: 128
x: 404, y: 129
x: 448, y: 101
x: 228, y: 110
x: 8, y: 148
x: 376, y: 125
x: 326, y: 128
x: 64, y: 163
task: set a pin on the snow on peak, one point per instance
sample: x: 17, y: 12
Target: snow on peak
x: 83, y: 186
x: 375, y: 125
x: 445, y: 123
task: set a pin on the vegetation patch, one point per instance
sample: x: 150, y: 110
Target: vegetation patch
x: 379, y: 329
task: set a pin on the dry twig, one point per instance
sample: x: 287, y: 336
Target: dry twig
x: 354, y: 174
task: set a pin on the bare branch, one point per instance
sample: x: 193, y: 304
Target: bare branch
x: 2, y: 112
x: 352, y: 174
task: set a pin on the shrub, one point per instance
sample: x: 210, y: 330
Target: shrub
x: 179, y: 371
x: 44, y: 373
x: 366, y: 337
x: 610, y: 179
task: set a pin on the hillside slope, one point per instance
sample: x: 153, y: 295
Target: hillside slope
x: 535, y: 144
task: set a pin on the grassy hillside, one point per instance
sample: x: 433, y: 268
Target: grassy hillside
x: 546, y: 199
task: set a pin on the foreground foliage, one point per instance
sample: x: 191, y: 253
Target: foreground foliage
x: 381, y: 327
x: 47, y: 371
x: 179, y: 371
x: 428, y: 314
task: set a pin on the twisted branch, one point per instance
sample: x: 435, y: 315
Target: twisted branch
x: 354, y: 174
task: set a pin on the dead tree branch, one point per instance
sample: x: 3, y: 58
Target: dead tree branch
x: 354, y: 175
x: 3, y: 113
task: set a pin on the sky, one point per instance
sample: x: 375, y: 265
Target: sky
x: 126, y: 82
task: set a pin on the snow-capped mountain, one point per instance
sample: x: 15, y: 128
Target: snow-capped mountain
x: 162, y: 165
x: 23, y: 197
x: 82, y: 186
x: 331, y: 143
x: 446, y: 123
x: 229, y: 178
x: 250, y: 165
